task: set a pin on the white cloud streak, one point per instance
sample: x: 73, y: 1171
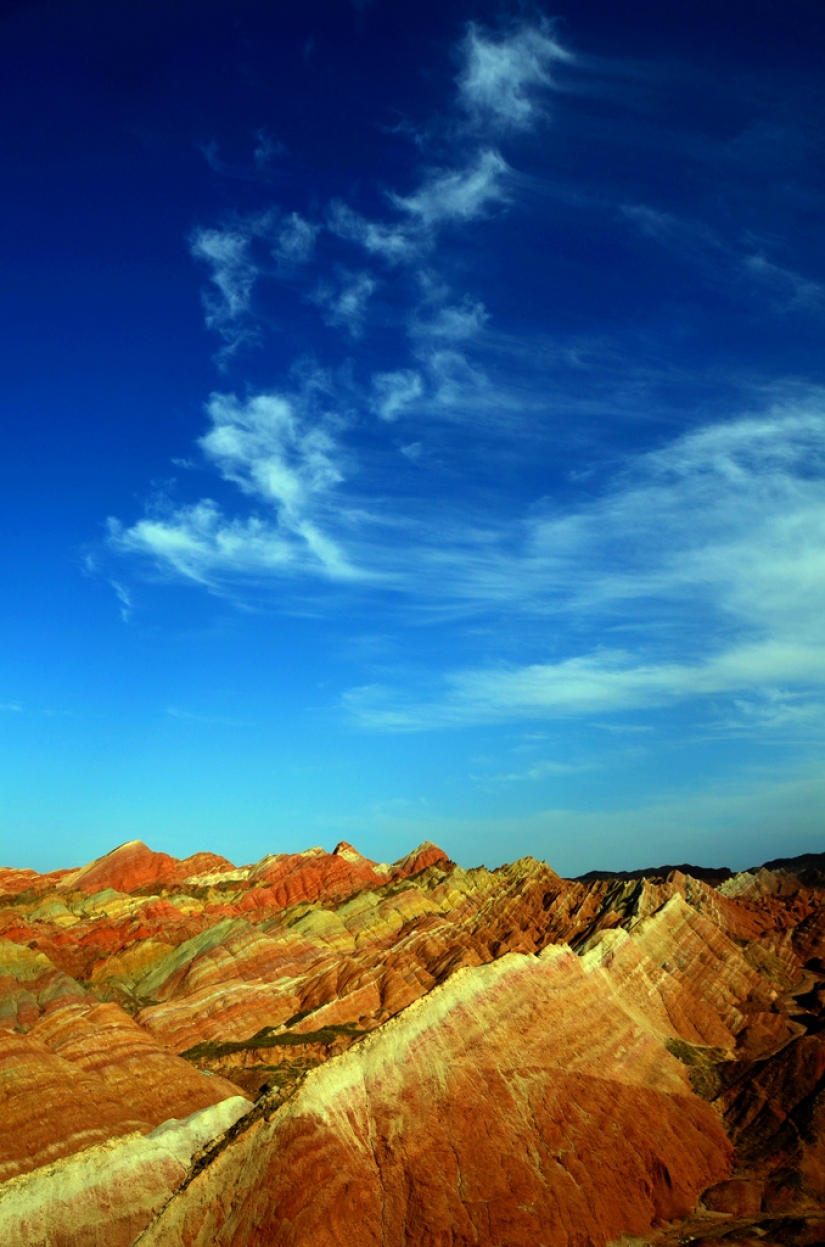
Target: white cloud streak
x: 125, y: 599
x: 729, y: 263
x: 444, y: 196
x: 454, y: 323
x: 499, y: 89
x: 276, y: 448
x: 238, y: 256
x: 344, y: 305
x: 233, y: 275
x: 457, y: 194
x: 295, y: 240
x: 395, y: 391
x: 279, y: 453
x: 705, y: 557
x: 500, y: 81
x: 535, y: 773
x: 269, y: 449
x: 710, y: 552
x: 394, y: 243
x: 266, y: 147
x: 793, y: 291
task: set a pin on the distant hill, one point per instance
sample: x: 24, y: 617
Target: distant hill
x: 706, y: 873
x: 808, y: 868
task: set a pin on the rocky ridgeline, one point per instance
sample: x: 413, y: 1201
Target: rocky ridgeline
x: 322, y: 1050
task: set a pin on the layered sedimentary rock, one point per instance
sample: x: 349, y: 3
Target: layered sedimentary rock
x: 427, y: 1055
x: 517, y: 1103
x: 75, y: 1070
x: 107, y: 1193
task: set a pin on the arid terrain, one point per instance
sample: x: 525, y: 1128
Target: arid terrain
x: 319, y: 1050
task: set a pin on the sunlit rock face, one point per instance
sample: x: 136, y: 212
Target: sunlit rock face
x: 349, y: 1051
x: 516, y: 1103
x: 107, y: 1193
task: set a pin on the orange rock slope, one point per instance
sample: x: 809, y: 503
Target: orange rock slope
x: 321, y: 1049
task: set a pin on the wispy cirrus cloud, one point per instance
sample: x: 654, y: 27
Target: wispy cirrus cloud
x: 124, y: 597
x: 265, y: 150
x: 394, y: 392
x: 444, y: 196
x: 604, y: 682
x: 708, y: 555
x: 238, y: 255
x: 738, y: 263
x: 283, y: 455
x: 394, y: 242
x: 199, y: 543
x: 456, y: 194
x: 268, y: 447
x: 537, y: 771
x: 500, y: 80
x: 451, y: 322
x: 282, y: 449
x: 344, y: 302
x: 294, y: 239
x: 233, y: 274
x: 792, y: 290
x: 686, y: 573
x: 499, y: 87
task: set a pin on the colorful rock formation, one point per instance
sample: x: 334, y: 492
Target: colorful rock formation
x: 321, y: 1049
x: 516, y: 1103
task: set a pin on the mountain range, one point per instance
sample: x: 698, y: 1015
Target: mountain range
x: 319, y: 1050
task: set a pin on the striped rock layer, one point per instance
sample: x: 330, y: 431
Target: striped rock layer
x: 321, y: 1049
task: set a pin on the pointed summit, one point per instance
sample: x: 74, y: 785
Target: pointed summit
x: 129, y: 866
x: 344, y: 849
x: 427, y: 854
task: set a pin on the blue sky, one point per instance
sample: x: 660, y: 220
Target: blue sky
x: 414, y: 428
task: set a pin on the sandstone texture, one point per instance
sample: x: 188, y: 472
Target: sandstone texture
x: 479, y: 1116
x: 106, y: 1194
x: 322, y: 1049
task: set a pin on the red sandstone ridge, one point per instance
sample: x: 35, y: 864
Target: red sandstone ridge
x: 458, y: 1123
x: 133, y: 865
x: 322, y: 1049
x: 427, y: 854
